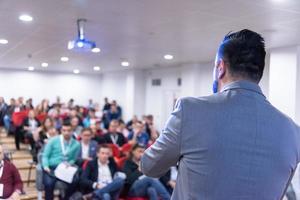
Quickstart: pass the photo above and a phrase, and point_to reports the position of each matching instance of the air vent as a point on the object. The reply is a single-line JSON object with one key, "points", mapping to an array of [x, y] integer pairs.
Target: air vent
{"points": [[156, 82]]}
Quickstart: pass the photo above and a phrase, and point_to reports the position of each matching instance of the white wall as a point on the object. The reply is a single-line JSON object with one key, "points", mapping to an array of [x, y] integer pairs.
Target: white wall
{"points": [[39, 85], [283, 70]]}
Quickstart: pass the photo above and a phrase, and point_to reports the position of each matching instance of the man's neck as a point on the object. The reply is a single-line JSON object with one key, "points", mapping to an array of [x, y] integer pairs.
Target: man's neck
{"points": [[102, 163], [67, 139]]}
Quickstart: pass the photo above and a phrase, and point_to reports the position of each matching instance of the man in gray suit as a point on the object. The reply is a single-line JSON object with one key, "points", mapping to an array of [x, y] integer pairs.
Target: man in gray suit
{"points": [[233, 145]]}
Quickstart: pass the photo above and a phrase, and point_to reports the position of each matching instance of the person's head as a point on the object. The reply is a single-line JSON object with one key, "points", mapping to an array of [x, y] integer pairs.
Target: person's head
{"points": [[137, 152], [113, 126], [73, 112], [94, 129], [2, 100], [52, 132], [103, 153], [12, 101], [149, 119], [241, 56], [66, 129], [92, 113], [105, 100], [113, 108], [1, 153], [74, 122], [138, 127], [86, 135], [20, 100], [121, 126], [48, 123], [135, 119], [31, 114]]}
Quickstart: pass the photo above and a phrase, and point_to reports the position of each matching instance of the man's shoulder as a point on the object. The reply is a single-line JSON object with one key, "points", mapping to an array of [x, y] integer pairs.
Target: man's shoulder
{"points": [[215, 98]]}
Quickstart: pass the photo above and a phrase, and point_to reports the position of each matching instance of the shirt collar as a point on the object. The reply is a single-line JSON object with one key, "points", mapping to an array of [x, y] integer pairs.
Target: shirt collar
{"points": [[102, 165], [245, 85]]}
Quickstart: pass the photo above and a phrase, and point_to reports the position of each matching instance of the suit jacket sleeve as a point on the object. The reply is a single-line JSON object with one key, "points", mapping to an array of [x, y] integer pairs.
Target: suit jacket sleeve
{"points": [[165, 152], [86, 179]]}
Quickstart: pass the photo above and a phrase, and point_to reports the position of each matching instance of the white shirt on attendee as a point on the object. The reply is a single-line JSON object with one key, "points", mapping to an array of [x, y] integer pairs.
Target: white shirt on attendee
{"points": [[104, 174], [84, 150]]}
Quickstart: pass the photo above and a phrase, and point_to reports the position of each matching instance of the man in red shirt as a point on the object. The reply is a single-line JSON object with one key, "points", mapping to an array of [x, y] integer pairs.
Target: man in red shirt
{"points": [[10, 181]]}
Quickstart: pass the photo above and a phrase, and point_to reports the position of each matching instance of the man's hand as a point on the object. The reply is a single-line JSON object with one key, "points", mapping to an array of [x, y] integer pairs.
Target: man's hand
{"points": [[172, 184], [47, 169], [100, 186]]}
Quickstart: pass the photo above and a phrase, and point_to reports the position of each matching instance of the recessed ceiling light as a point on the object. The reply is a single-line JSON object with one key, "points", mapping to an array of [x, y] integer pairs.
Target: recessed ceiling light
{"points": [[25, 18], [168, 57], [76, 71], [44, 64], [64, 59], [31, 68], [97, 68], [3, 41], [96, 50], [125, 63]]}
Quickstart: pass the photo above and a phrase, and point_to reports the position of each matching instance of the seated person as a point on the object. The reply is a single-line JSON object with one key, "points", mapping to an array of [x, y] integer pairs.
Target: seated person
{"points": [[42, 134], [9, 179], [76, 128], [91, 118], [139, 184], [169, 179], [113, 137], [97, 134], [61, 148], [100, 178], [30, 125], [88, 147], [114, 113], [138, 135]]}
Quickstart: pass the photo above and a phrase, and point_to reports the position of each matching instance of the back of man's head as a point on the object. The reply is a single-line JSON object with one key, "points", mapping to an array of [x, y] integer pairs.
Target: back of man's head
{"points": [[244, 52]]}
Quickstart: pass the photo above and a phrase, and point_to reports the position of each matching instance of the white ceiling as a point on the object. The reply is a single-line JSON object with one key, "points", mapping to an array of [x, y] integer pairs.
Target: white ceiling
{"points": [[140, 31]]}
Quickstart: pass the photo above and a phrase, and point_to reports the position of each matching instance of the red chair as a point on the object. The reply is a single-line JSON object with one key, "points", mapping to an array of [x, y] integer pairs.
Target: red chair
{"points": [[120, 161], [115, 150], [136, 198], [19, 117], [41, 117], [126, 148]]}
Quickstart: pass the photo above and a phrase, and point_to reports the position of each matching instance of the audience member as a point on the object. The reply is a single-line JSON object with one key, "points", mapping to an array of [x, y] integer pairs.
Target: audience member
{"points": [[138, 135], [139, 184], [76, 128], [61, 148], [88, 147], [90, 119], [100, 178], [113, 137], [8, 115], [10, 180]]}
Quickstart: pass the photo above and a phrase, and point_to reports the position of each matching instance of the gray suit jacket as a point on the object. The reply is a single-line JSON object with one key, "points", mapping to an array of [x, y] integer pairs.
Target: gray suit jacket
{"points": [[233, 145]]}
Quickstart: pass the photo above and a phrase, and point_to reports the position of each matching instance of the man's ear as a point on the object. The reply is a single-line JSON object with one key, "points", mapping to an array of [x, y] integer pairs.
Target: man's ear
{"points": [[222, 68]]}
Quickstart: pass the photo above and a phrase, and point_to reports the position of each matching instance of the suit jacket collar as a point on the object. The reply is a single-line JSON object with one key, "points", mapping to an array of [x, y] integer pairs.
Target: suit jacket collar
{"points": [[244, 85]]}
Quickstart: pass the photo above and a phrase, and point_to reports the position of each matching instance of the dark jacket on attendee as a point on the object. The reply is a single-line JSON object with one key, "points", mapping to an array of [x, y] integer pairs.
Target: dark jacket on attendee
{"points": [[120, 141], [26, 122], [132, 173], [90, 175], [10, 179]]}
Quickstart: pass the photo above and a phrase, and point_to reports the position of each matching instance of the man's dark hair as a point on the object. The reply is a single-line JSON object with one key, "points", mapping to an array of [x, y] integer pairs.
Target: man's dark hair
{"points": [[66, 122], [103, 146], [86, 129], [245, 53]]}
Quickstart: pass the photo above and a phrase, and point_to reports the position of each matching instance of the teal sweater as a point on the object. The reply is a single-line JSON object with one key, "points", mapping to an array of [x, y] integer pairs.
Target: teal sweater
{"points": [[53, 154]]}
